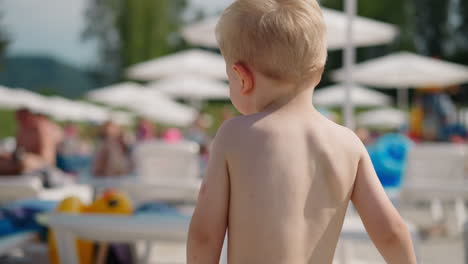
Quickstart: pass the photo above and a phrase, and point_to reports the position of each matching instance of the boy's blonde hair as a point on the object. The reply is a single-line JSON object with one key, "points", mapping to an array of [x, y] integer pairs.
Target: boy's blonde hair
{"points": [[283, 39]]}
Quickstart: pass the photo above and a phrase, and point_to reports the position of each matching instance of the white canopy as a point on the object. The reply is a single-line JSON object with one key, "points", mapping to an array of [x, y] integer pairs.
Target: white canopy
{"points": [[147, 102], [383, 118], [192, 87], [20, 98], [66, 110], [367, 32], [118, 95], [91, 112], [194, 61], [166, 111], [406, 70], [121, 117], [59, 108], [334, 96]]}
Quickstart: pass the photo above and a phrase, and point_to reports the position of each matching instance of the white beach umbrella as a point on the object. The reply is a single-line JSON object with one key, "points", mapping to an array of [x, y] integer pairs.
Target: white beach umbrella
{"points": [[202, 33], [121, 117], [93, 113], [84, 111], [59, 108], [116, 95], [194, 61], [63, 109], [367, 32], [20, 98], [191, 87], [6, 95], [150, 103], [383, 118], [166, 112], [335, 96], [405, 70]]}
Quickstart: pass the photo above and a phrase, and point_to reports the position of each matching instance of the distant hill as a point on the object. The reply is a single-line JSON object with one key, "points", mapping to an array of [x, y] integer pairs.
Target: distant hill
{"points": [[45, 75]]}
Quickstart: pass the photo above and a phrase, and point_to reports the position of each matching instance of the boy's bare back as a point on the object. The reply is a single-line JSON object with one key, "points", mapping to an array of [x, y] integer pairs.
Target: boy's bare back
{"points": [[291, 179], [280, 182]]}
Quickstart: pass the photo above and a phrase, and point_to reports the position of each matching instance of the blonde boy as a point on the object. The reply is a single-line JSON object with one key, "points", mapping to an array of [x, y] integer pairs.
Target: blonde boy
{"points": [[281, 177]]}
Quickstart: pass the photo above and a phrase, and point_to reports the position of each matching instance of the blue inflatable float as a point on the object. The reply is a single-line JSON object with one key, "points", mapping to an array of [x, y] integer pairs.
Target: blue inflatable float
{"points": [[389, 158]]}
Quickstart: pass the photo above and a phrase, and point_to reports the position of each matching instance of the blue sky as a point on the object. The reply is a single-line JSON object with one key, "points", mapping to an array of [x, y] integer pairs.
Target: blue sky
{"points": [[53, 27]]}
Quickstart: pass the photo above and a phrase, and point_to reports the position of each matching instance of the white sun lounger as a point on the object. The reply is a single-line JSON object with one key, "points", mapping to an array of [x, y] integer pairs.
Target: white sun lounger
{"points": [[167, 172], [157, 159], [164, 190], [102, 228], [12, 242], [30, 187], [436, 173], [465, 238], [354, 230]]}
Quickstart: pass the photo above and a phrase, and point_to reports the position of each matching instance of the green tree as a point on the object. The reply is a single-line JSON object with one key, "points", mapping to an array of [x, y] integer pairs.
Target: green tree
{"points": [[430, 26], [3, 39], [132, 31], [458, 21]]}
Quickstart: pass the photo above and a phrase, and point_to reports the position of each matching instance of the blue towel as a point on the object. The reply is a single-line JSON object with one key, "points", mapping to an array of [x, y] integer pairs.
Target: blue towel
{"points": [[21, 216], [6, 227], [159, 209]]}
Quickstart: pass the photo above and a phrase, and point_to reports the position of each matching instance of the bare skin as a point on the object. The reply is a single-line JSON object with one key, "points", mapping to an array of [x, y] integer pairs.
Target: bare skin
{"points": [[37, 137], [280, 180]]}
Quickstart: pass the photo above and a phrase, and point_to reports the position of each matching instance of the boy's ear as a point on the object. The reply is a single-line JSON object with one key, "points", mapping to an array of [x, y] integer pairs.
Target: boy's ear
{"points": [[246, 77]]}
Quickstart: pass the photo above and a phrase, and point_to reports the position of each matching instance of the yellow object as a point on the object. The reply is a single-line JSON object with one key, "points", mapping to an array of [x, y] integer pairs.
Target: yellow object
{"points": [[416, 121], [71, 205], [112, 202], [431, 89]]}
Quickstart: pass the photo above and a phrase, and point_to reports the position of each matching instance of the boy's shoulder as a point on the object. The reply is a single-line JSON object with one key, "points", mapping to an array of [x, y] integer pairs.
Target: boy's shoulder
{"points": [[246, 124], [236, 125], [236, 130]]}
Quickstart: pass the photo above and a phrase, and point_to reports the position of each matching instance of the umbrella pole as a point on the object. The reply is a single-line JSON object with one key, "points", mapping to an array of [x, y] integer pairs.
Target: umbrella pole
{"points": [[349, 58], [403, 98]]}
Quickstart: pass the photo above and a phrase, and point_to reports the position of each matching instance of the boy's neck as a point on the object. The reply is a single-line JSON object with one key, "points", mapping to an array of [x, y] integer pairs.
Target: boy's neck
{"points": [[287, 97]]}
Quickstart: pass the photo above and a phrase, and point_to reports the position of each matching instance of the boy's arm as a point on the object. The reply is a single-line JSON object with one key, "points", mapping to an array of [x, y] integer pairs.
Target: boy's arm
{"points": [[210, 219], [385, 226]]}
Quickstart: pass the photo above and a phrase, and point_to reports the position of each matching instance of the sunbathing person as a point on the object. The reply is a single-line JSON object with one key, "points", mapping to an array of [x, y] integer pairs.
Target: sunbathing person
{"points": [[281, 177], [113, 154], [36, 143]]}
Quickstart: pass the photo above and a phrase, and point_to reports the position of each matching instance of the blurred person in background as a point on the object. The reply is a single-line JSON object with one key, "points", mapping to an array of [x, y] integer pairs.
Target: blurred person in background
{"points": [[37, 138], [72, 156], [113, 153], [364, 135], [145, 130], [172, 135], [228, 113], [198, 132], [71, 140]]}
